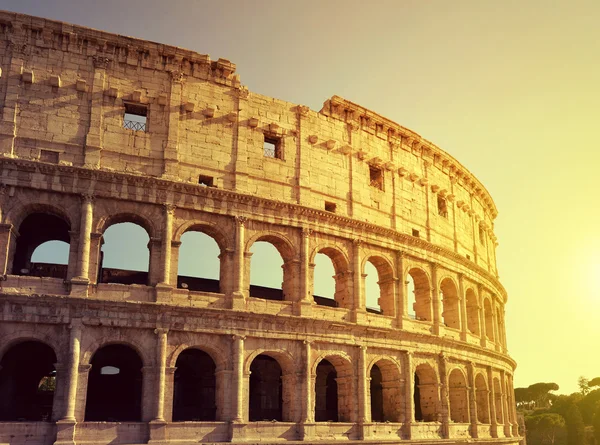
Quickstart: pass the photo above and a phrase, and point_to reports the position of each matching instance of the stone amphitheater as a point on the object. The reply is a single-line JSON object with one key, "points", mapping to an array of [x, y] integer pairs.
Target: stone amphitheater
{"points": [[99, 129]]}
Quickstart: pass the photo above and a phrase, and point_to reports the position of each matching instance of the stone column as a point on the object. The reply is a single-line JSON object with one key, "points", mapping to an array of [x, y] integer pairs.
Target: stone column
{"points": [[238, 299], [444, 396], [505, 414], [364, 406], [400, 290], [305, 298], [435, 299], [161, 359], [6, 235], [492, 402], [81, 281], [472, 399], [358, 304], [482, 326], [170, 153], [238, 378], [409, 390], [308, 387], [166, 247], [463, 307], [74, 351]]}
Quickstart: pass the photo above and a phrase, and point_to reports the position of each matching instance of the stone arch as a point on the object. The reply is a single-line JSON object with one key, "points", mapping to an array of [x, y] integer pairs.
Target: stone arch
{"points": [[290, 266], [145, 223], [219, 357], [342, 277], [386, 390], [385, 280], [458, 396], [423, 309], [37, 224], [472, 304], [488, 317], [27, 381], [334, 388], [88, 352], [482, 399], [114, 390], [498, 400], [426, 393], [195, 386], [451, 302], [223, 240], [197, 281], [17, 337]]}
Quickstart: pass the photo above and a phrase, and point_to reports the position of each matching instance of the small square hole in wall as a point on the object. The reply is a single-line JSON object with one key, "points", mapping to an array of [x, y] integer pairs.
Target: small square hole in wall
{"points": [[207, 181], [330, 206], [135, 117], [442, 206], [415, 232], [272, 147], [49, 156], [375, 177], [468, 256]]}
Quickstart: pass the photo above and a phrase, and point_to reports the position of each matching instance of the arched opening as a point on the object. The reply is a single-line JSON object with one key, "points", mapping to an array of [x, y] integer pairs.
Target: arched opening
{"points": [[332, 279], [451, 312], [324, 281], [459, 400], [114, 392], [36, 230], [489, 319], [27, 382], [419, 281], [472, 312], [266, 390], [125, 255], [376, 387], [386, 392], [498, 401], [426, 394], [326, 393], [199, 263], [481, 398], [194, 391], [379, 286], [268, 271]]}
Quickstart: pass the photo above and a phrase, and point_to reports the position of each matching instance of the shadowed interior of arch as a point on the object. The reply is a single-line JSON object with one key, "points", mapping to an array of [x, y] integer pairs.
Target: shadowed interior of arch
{"points": [[266, 391], [27, 382], [194, 392], [266, 272], [198, 263], [125, 254], [40, 248], [326, 393]]}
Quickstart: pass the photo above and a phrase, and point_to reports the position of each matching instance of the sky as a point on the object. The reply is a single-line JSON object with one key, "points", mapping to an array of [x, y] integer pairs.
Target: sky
{"points": [[510, 89]]}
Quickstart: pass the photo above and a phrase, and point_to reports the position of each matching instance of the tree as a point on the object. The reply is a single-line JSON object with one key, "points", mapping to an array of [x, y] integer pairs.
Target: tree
{"points": [[587, 405], [539, 393], [575, 426], [594, 382], [544, 427], [584, 385], [596, 424]]}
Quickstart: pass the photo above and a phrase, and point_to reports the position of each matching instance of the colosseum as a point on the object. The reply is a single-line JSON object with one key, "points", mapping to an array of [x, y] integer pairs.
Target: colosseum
{"points": [[98, 130]]}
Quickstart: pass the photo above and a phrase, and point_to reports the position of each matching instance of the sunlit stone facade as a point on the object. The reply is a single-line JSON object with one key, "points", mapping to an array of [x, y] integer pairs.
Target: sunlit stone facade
{"points": [[98, 129]]}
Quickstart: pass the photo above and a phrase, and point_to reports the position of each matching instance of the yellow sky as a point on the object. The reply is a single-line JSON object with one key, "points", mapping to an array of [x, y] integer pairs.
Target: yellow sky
{"points": [[511, 89]]}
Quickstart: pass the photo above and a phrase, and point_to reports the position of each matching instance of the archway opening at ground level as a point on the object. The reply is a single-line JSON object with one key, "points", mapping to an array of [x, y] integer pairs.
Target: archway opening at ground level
{"points": [[27, 382], [266, 392], [326, 393], [194, 387], [114, 385]]}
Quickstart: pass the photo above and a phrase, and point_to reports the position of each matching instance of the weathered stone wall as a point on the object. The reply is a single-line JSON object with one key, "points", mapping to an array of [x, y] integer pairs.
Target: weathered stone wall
{"points": [[343, 181]]}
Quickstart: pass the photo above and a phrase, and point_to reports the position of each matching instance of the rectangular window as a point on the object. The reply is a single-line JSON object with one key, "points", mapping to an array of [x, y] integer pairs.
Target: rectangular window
{"points": [[375, 177], [272, 147], [207, 181], [442, 206], [330, 207], [135, 117], [415, 233], [49, 156]]}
